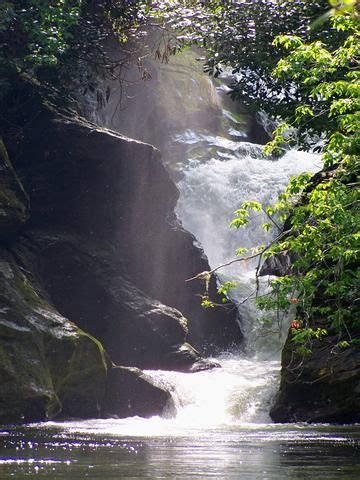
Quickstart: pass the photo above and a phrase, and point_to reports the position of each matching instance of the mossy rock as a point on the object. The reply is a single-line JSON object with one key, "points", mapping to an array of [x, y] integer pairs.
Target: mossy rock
{"points": [[48, 365], [323, 386], [13, 199]]}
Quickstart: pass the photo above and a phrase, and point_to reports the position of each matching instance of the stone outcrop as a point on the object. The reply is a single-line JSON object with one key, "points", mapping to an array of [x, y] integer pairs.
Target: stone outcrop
{"points": [[98, 255], [131, 392], [48, 365], [84, 280], [323, 386], [115, 191]]}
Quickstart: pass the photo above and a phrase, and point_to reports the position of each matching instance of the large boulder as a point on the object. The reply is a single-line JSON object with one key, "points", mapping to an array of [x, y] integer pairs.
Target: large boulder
{"points": [[323, 386], [87, 284], [48, 366], [131, 392], [115, 190]]}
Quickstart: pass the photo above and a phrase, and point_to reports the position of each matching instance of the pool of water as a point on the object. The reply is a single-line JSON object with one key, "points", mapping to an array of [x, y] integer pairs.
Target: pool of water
{"points": [[125, 449]]}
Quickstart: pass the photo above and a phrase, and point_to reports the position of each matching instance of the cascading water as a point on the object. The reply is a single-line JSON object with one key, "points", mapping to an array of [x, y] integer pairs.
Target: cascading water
{"points": [[218, 170], [239, 392], [210, 191]]}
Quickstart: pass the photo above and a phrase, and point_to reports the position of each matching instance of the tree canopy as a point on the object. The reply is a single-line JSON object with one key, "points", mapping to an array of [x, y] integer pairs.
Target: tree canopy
{"points": [[321, 211]]}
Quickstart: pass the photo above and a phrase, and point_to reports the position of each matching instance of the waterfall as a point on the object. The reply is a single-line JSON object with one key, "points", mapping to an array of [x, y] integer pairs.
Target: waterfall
{"points": [[211, 189], [219, 171], [205, 141]]}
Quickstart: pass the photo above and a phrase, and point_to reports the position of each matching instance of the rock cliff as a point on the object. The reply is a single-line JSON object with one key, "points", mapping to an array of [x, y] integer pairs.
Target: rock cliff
{"points": [[99, 250], [323, 386]]}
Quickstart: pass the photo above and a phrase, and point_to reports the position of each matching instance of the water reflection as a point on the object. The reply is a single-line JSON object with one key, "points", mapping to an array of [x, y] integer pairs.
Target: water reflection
{"points": [[275, 452]]}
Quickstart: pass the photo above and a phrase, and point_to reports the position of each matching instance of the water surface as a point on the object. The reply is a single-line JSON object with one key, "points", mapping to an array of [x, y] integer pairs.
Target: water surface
{"points": [[254, 451]]}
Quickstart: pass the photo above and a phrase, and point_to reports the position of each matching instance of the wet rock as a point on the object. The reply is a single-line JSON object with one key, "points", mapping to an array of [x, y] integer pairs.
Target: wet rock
{"points": [[321, 387], [86, 284], [130, 392], [48, 365], [279, 265], [13, 199], [205, 364], [100, 185]]}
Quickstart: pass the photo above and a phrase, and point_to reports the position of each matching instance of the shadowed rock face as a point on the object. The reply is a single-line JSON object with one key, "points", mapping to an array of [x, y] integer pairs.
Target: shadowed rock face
{"points": [[85, 282], [115, 191], [102, 252], [47, 364], [321, 387], [13, 199]]}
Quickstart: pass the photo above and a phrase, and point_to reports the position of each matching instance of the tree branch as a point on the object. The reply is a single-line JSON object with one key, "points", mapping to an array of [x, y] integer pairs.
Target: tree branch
{"points": [[204, 275]]}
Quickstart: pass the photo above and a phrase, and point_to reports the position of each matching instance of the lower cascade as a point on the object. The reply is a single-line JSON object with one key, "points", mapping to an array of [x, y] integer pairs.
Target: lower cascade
{"points": [[240, 392]]}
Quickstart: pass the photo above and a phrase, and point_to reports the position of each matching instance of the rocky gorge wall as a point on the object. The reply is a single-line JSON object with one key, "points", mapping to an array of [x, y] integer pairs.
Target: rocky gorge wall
{"points": [[322, 386], [92, 252], [179, 100]]}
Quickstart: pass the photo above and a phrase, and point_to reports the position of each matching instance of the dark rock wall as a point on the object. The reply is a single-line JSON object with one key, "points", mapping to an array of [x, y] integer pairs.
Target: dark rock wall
{"points": [[105, 187], [321, 387], [99, 250]]}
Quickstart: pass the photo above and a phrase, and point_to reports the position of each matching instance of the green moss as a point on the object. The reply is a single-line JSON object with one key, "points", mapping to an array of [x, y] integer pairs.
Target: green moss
{"points": [[78, 369], [47, 364], [13, 199]]}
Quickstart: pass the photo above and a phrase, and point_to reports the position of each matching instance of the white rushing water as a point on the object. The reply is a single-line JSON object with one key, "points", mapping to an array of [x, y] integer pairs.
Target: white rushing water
{"points": [[240, 392], [237, 394], [212, 188]]}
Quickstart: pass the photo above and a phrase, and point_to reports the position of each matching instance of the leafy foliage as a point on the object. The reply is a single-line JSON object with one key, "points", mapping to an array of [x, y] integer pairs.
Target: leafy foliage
{"points": [[238, 35], [36, 32], [59, 41], [322, 230]]}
